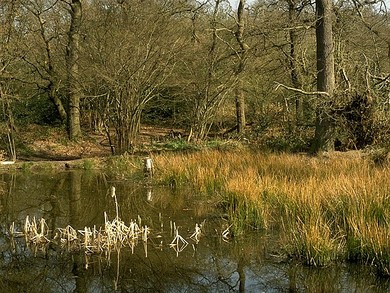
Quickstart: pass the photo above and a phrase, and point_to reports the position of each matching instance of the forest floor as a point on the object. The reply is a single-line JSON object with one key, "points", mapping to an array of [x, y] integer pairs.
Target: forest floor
{"points": [[48, 146], [43, 144]]}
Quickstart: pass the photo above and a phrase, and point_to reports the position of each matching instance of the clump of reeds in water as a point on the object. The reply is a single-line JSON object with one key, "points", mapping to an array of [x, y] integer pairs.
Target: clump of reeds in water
{"points": [[36, 233], [328, 208], [113, 236]]}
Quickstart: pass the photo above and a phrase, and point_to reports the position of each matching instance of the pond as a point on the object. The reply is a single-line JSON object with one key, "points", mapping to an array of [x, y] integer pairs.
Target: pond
{"points": [[211, 261]]}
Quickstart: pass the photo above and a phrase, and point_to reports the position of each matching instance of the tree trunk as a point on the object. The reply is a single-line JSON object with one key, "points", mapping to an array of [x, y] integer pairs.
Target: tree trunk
{"points": [[323, 138], [240, 98], [50, 87], [127, 125], [57, 102], [75, 217], [294, 67], [10, 127], [74, 129], [202, 122], [240, 108]]}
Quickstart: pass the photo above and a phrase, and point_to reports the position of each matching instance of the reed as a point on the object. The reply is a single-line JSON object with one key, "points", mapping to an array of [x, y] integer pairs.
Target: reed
{"points": [[327, 208], [36, 232], [313, 241], [178, 243], [114, 236], [197, 233]]}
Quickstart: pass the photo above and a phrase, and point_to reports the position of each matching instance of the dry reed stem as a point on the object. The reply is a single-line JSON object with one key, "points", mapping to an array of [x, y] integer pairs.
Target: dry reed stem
{"points": [[178, 243], [115, 235], [197, 233]]}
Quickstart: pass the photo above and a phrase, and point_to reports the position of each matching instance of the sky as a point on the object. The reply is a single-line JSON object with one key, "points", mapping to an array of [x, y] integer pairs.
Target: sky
{"points": [[234, 3]]}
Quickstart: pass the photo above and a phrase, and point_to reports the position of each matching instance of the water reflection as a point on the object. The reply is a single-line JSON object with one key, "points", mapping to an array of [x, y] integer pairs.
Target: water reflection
{"points": [[207, 264]]}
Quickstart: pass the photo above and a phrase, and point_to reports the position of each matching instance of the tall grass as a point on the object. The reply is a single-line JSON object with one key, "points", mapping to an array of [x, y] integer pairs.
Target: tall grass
{"points": [[326, 208]]}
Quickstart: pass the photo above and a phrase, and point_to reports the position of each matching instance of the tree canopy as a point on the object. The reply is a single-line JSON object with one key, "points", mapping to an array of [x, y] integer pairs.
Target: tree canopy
{"points": [[259, 70]]}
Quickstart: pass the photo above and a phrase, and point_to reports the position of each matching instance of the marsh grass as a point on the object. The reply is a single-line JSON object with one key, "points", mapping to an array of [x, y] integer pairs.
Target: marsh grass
{"points": [[369, 242], [125, 167], [327, 208], [313, 241], [88, 164]]}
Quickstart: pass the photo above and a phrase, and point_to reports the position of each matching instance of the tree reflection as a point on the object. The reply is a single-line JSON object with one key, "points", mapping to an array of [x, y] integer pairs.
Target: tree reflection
{"points": [[75, 216], [247, 263]]}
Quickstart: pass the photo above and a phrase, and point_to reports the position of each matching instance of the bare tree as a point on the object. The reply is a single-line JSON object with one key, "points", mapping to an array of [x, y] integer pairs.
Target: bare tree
{"points": [[295, 68], [130, 64], [210, 76], [8, 14], [44, 33]]}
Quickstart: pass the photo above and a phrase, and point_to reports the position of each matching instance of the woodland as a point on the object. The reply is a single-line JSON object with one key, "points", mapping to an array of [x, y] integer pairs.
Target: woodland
{"points": [[290, 75]]}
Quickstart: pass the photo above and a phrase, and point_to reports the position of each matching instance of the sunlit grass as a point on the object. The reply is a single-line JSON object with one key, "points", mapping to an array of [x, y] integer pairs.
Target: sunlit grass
{"points": [[328, 208]]}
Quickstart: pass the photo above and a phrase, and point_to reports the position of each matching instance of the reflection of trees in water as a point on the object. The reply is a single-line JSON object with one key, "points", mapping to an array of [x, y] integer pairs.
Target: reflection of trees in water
{"points": [[162, 271], [75, 218], [57, 198], [215, 266], [209, 267], [78, 198], [21, 271], [7, 183]]}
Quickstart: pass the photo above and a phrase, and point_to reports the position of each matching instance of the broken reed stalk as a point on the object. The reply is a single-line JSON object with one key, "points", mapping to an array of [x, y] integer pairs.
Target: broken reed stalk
{"points": [[36, 233], [226, 233], [113, 194], [115, 234], [178, 243], [196, 233]]}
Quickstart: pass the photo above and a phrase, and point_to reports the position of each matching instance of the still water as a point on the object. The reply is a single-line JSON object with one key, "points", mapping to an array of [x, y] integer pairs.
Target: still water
{"points": [[212, 263]]}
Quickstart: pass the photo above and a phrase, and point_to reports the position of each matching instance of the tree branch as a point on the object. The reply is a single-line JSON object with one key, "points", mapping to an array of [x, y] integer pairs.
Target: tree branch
{"points": [[300, 90]]}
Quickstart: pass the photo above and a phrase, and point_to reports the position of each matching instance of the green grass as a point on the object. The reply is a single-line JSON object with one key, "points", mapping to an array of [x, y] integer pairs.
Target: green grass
{"points": [[125, 167], [88, 164]]}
